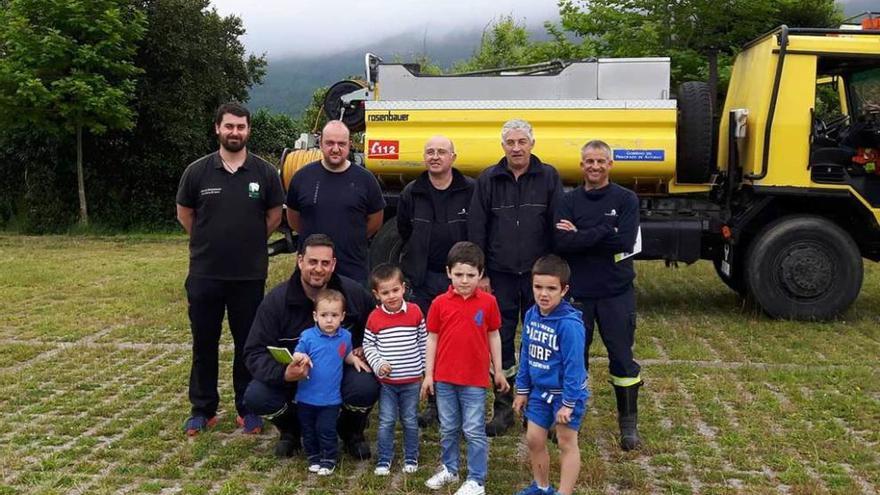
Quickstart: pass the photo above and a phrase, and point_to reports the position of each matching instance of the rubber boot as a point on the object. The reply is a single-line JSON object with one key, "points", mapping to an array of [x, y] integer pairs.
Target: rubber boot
{"points": [[429, 416], [502, 414], [351, 425], [628, 415], [290, 436]]}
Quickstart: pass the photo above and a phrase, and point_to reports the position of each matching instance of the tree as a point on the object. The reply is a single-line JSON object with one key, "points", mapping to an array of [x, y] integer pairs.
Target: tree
{"points": [[67, 66], [193, 60], [271, 133]]}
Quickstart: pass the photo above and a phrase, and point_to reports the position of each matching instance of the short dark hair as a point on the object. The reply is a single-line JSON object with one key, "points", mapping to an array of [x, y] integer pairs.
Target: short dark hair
{"points": [[318, 240], [553, 266], [331, 295], [235, 109], [467, 253], [383, 272]]}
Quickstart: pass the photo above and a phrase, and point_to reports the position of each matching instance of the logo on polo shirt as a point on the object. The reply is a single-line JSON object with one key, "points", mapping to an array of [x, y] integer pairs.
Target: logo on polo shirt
{"points": [[254, 190], [478, 318], [341, 350]]}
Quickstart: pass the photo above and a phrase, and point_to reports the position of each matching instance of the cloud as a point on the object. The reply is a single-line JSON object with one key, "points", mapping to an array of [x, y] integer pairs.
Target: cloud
{"points": [[308, 27]]}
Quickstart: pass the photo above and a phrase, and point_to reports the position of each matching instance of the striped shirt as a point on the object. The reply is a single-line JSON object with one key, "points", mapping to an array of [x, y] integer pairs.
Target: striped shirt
{"points": [[397, 339]]}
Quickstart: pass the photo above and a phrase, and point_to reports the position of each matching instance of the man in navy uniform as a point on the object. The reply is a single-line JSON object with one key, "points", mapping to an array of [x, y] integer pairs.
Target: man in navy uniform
{"points": [[597, 225]]}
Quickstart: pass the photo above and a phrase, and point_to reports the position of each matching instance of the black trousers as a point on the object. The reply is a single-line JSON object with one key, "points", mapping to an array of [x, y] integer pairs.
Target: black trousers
{"points": [[616, 319], [434, 284], [359, 390], [209, 300], [514, 295]]}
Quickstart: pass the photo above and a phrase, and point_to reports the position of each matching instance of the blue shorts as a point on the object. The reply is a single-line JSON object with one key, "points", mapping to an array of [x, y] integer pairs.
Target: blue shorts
{"points": [[543, 414]]}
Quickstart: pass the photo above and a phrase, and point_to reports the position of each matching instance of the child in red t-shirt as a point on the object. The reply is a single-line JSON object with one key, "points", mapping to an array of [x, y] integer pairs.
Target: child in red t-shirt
{"points": [[462, 337]]}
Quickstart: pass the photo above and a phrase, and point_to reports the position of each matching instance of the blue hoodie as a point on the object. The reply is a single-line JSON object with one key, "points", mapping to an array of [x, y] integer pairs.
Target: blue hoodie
{"points": [[551, 359]]}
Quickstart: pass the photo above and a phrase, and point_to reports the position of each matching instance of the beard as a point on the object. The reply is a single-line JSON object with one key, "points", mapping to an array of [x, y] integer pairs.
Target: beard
{"points": [[233, 145]]}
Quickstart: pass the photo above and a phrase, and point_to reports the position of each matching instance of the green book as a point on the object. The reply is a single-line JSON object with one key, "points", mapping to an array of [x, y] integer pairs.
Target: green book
{"points": [[281, 354]]}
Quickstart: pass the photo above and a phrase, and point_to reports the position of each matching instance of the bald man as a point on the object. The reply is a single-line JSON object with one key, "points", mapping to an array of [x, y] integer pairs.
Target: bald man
{"points": [[332, 197], [431, 217]]}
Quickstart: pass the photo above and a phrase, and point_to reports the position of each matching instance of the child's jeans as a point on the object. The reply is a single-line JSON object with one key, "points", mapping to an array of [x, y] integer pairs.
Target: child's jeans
{"points": [[318, 424], [399, 401], [462, 409]]}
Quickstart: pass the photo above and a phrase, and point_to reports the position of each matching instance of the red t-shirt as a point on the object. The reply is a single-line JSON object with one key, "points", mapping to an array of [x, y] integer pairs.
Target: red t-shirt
{"points": [[463, 326]]}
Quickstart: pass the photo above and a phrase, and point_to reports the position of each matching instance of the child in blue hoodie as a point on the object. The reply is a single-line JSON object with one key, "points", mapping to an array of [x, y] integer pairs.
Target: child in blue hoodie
{"points": [[551, 385]]}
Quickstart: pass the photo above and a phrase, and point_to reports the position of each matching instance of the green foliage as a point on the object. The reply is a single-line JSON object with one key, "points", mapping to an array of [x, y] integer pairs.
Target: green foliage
{"points": [[271, 133], [189, 61], [68, 63]]}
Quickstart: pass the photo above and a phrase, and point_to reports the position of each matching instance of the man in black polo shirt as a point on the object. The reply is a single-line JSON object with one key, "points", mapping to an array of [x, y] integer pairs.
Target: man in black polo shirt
{"points": [[228, 202], [511, 218], [283, 315], [331, 196]]}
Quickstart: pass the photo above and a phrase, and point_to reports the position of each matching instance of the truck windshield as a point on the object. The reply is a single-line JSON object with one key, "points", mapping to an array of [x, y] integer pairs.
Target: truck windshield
{"points": [[865, 92]]}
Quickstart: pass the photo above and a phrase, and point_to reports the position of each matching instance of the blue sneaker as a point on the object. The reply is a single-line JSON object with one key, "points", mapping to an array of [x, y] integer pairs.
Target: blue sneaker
{"points": [[250, 424], [197, 424], [534, 490]]}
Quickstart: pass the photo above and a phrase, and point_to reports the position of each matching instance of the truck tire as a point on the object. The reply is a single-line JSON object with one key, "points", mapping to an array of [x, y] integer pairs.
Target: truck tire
{"points": [[804, 268], [695, 138], [387, 245]]}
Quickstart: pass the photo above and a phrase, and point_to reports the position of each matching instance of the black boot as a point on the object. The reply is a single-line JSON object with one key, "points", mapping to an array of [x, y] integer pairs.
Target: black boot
{"points": [[502, 414], [429, 416], [351, 425], [628, 415], [290, 436]]}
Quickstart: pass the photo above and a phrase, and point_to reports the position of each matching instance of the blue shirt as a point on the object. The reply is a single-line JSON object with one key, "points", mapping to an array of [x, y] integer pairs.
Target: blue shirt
{"points": [[327, 352]]}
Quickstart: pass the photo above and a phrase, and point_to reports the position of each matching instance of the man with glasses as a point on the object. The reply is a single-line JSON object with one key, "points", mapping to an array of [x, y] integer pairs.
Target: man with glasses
{"points": [[431, 217], [330, 196]]}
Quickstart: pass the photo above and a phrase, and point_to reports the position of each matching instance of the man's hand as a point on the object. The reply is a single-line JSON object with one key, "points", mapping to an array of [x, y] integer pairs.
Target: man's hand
{"points": [[298, 368], [385, 369], [566, 225], [501, 384], [519, 403], [427, 388], [563, 416], [360, 365], [485, 284], [358, 352]]}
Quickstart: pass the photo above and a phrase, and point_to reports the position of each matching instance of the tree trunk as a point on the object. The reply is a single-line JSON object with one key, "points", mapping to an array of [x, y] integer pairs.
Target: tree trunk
{"points": [[80, 180], [713, 79]]}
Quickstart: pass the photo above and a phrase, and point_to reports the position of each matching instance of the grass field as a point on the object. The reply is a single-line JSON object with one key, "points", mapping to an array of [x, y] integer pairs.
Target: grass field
{"points": [[94, 359]]}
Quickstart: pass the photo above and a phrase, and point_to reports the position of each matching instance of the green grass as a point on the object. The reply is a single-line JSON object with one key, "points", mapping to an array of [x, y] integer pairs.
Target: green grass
{"points": [[95, 357]]}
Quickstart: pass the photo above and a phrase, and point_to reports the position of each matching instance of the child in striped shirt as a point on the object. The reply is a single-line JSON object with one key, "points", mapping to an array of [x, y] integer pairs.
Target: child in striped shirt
{"points": [[394, 345]]}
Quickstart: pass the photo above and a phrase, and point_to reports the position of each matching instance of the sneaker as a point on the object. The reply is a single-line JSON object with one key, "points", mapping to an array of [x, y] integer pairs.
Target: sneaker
{"points": [[382, 470], [534, 490], [471, 487], [250, 424], [440, 478], [410, 468], [197, 424], [326, 471], [314, 468]]}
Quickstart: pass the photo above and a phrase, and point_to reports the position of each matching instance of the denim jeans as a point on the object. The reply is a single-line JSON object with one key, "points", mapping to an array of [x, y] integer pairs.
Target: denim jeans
{"points": [[462, 409], [318, 425], [398, 401]]}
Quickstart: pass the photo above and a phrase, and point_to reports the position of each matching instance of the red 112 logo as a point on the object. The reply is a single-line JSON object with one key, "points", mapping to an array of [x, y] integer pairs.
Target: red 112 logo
{"points": [[387, 150]]}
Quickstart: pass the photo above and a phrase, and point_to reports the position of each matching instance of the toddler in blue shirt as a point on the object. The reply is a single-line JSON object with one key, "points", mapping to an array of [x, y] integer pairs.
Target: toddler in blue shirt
{"points": [[323, 349]]}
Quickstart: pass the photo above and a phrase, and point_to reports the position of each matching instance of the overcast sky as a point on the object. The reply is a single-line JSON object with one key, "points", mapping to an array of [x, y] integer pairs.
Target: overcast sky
{"points": [[284, 27]]}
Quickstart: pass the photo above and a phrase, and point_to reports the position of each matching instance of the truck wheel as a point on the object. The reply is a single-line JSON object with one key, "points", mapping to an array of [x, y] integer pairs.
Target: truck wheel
{"points": [[804, 268], [387, 245], [694, 162], [737, 282]]}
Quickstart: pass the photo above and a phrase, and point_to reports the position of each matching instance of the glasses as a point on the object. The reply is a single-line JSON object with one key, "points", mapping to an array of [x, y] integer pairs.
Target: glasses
{"points": [[440, 152]]}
